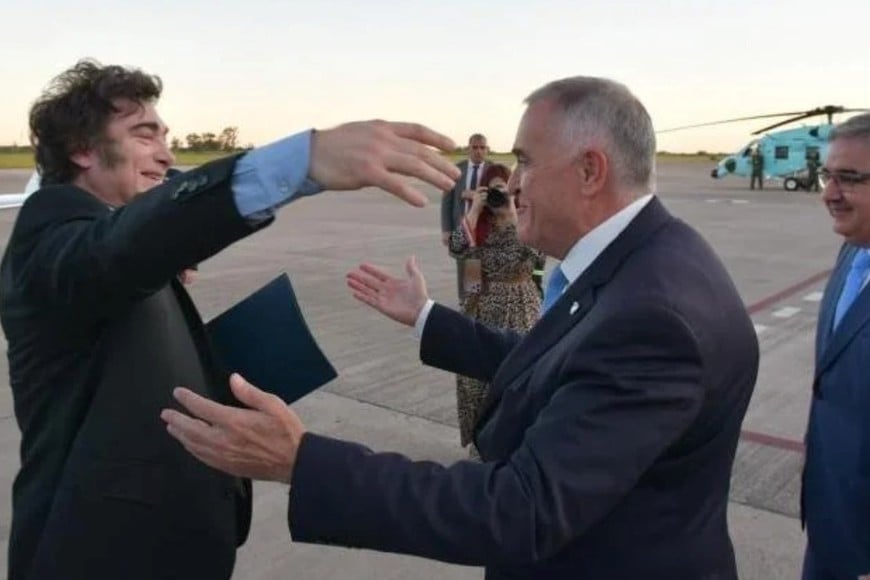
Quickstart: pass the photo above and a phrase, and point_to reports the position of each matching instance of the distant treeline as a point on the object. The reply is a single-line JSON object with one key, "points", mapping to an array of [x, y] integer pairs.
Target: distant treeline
{"points": [[226, 140], [700, 153]]}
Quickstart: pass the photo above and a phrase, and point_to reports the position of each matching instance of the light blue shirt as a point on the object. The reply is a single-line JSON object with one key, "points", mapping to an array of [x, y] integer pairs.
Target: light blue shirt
{"points": [[268, 177], [867, 277]]}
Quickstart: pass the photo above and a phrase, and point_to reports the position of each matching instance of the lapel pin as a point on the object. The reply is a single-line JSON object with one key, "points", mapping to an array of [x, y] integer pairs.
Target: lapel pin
{"points": [[574, 308]]}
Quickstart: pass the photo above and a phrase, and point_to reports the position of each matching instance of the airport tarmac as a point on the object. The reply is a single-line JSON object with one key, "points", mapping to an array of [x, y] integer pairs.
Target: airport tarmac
{"points": [[777, 245]]}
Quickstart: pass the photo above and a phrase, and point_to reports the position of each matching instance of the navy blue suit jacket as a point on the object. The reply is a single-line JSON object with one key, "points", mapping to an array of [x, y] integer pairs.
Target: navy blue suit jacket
{"points": [[836, 490], [608, 435]]}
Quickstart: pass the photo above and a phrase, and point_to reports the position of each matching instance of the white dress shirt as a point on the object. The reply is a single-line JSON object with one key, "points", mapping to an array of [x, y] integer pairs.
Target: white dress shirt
{"points": [[590, 246], [480, 167]]}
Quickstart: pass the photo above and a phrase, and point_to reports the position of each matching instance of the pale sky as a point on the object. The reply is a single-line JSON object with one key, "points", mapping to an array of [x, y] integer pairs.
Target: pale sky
{"points": [[274, 67]]}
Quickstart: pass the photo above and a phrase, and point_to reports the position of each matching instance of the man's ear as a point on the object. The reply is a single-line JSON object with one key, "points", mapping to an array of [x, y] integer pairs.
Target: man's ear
{"points": [[85, 158], [592, 167]]}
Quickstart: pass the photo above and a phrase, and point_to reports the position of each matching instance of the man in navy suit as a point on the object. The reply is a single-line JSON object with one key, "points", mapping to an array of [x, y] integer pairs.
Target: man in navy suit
{"points": [[836, 484], [455, 202], [610, 429]]}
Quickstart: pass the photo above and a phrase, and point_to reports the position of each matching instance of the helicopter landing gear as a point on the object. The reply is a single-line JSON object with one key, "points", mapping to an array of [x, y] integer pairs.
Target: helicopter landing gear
{"points": [[792, 184], [798, 183]]}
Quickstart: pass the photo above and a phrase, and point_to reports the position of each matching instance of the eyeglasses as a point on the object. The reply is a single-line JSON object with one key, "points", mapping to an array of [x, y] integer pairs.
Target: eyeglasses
{"points": [[842, 178]]}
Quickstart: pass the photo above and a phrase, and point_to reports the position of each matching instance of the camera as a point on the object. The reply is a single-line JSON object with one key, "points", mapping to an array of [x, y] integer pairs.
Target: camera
{"points": [[496, 198]]}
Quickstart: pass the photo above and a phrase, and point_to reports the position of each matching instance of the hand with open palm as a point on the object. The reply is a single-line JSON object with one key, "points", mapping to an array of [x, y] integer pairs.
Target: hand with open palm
{"points": [[401, 299]]}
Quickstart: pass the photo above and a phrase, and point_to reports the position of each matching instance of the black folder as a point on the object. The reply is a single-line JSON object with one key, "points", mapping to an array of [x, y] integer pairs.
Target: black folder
{"points": [[265, 339]]}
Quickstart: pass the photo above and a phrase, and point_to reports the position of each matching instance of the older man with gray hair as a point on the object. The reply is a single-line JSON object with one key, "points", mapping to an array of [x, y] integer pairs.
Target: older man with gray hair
{"points": [[609, 432], [836, 484]]}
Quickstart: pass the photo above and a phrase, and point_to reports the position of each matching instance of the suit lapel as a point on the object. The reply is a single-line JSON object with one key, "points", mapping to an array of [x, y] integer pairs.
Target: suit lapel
{"points": [[853, 321], [463, 179], [458, 202], [219, 389], [829, 302], [577, 300], [216, 374]]}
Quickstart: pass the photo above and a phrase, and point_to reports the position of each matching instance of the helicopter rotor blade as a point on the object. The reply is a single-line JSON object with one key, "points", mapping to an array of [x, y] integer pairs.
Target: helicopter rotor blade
{"points": [[786, 122], [829, 110], [753, 117]]}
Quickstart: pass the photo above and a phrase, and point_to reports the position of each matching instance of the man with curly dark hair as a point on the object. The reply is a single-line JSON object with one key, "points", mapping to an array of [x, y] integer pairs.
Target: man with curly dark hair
{"points": [[100, 330]]}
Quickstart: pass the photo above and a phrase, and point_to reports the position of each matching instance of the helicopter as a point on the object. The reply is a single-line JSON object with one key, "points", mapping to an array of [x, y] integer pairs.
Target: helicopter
{"points": [[785, 152]]}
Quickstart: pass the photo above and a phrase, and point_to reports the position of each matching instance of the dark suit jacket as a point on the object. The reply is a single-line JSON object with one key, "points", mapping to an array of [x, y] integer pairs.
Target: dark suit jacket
{"points": [[836, 490], [99, 334], [452, 204], [609, 431]]}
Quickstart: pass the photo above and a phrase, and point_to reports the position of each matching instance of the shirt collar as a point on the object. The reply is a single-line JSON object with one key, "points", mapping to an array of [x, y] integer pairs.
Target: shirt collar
{"points": [[589, 247]]}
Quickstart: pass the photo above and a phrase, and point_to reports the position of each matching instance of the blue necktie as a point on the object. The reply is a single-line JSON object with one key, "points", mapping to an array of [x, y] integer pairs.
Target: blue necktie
{"points": [[854, 282], [473, 183], [555, 285]]}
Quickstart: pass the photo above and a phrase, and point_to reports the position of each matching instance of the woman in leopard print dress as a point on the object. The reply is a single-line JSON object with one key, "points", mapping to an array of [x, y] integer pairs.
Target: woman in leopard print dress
{"points": [[507, 297]]}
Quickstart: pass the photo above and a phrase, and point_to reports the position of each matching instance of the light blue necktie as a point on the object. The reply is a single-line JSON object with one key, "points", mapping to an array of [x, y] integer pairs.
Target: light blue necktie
{"points": [[555, 285], [854, 282]]}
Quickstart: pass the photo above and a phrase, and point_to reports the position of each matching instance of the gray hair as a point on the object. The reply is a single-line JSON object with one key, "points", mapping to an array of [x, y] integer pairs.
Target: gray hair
{"points": [[605, 112], [857, 127]]}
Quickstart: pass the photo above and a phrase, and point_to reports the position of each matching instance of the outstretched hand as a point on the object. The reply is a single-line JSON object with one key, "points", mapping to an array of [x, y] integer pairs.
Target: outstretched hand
{"points": [[377, 153], [399, 299], [260, 441]]}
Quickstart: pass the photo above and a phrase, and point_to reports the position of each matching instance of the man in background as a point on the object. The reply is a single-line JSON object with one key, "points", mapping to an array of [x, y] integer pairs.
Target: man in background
{"points": [[757, 163], [835, 499], [456, 201], [813, 163]]}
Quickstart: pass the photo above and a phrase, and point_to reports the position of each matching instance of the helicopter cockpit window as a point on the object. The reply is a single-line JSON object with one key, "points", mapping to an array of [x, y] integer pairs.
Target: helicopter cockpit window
{"points": [[746, 152], [781, 152]]}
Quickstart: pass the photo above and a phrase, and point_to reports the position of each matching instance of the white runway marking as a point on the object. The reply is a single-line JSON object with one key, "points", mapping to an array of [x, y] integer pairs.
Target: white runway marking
{"points": [[786, 312], [813, 297], [759, 328], [712, 200]]}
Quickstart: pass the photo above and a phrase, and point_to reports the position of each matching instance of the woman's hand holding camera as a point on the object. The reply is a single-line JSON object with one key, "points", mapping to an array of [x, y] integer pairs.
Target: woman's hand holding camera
{"points": [[478, 202]]}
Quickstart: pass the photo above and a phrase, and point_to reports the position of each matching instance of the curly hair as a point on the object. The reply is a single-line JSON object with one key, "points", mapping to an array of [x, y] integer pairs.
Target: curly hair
{"points": [[73, 113]]}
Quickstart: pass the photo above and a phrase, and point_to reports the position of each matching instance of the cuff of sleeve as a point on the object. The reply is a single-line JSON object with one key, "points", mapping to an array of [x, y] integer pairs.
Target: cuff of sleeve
{"points": [[314, 514], [268, 177], [422, 318]]}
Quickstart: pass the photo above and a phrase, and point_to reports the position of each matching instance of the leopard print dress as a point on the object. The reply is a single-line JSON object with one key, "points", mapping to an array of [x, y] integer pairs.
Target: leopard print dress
{"points": [[508, 299]]}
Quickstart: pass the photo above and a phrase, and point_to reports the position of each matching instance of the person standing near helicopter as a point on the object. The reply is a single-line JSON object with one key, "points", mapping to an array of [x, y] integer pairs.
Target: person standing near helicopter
{"points": [[813, 163], [757, 169]]}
